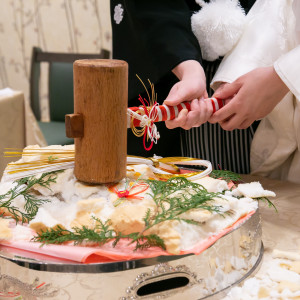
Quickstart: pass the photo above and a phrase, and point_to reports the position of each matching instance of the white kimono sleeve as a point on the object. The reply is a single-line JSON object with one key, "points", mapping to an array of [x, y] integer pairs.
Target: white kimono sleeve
{"points": [[271, 38], [263, 41], [288, 69]]}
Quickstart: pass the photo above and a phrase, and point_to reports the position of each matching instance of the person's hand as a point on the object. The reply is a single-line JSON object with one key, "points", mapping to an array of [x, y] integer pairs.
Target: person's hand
{"points": [[221, 87], [200, 112], [191, 87], [252, 97]]}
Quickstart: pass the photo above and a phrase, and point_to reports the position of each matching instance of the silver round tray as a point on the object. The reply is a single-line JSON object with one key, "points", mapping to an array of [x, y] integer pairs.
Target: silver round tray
{"points": [[206, 276]]}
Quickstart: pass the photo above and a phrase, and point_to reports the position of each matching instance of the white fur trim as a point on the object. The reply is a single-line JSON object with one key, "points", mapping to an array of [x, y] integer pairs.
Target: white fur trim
{"points": [[218, 26]]}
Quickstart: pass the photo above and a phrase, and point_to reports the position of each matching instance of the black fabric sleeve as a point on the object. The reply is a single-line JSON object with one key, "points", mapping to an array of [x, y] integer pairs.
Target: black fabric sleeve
{"points": [[164, 27]]}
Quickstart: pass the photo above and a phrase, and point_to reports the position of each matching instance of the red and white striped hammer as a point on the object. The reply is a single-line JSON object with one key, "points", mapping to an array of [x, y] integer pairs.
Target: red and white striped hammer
{"points": [[164, 112]]}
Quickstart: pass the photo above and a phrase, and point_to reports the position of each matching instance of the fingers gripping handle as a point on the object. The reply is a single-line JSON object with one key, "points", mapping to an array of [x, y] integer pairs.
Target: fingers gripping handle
{"points": [[217, 104]]}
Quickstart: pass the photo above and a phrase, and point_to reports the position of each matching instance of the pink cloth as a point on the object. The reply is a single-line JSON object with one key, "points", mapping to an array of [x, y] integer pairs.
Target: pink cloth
{"points": [[108, 253]]}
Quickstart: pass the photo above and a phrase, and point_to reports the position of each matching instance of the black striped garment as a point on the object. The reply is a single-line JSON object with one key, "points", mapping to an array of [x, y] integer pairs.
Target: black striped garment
{"points": [[227, 150]]}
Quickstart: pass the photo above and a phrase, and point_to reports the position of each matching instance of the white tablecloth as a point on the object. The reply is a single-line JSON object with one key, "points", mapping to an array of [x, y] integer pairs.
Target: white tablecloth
{"points": [[18, 126]]}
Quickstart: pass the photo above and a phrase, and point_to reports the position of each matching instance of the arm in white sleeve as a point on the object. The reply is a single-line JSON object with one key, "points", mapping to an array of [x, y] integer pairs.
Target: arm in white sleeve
{"points": [[261, 44], [288, 69]]}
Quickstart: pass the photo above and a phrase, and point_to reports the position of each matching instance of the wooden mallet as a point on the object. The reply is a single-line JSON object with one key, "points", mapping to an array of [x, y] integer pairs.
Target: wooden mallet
{"points": [[99, 122]]}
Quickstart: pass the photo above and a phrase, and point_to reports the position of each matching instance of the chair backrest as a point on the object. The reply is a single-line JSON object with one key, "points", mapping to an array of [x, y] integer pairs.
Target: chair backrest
{"points": [[60, 81]]}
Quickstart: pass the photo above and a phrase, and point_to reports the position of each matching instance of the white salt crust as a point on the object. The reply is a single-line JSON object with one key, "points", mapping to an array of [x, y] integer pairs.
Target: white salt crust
{"points": [[71, 199]]}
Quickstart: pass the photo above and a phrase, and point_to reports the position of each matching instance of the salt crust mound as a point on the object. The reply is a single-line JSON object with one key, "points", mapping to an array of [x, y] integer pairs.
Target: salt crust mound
{"points": [[74, 204]]}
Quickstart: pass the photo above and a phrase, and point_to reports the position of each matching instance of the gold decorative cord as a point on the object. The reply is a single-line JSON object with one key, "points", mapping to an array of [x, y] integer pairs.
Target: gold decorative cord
{"points": [[39, 160], [146, 115]]}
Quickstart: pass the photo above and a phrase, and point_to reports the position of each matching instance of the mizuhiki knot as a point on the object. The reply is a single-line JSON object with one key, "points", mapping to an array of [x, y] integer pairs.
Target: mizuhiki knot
{"points": [[123, 194], [146, 121]]}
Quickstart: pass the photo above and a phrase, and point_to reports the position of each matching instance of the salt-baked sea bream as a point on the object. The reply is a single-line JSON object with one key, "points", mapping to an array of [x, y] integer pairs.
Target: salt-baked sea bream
{"points": [[143, 211]]}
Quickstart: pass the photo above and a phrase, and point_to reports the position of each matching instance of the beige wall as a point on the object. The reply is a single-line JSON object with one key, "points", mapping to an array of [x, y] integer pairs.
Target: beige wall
{"points": [[81, 26]]}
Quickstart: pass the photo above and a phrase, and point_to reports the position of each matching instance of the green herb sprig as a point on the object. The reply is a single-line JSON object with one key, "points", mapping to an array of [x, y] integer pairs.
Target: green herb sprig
{"points": [[24, 188], [100, 235], [175, 197], [225, 175], [268, 201]]}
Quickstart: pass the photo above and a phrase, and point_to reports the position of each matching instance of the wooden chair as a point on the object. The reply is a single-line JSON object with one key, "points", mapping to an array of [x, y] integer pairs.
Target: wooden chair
{"points": [[60, 90]]}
